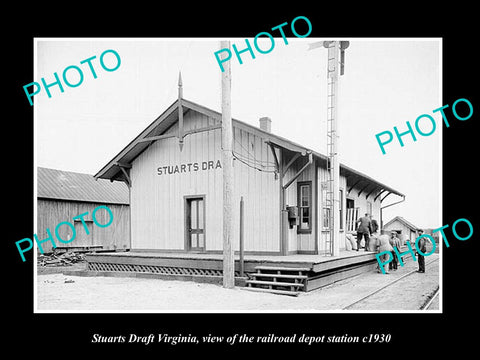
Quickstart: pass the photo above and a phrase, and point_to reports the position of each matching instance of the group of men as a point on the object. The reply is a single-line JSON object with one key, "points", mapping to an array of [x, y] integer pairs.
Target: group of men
{"points": [[366, 227]]}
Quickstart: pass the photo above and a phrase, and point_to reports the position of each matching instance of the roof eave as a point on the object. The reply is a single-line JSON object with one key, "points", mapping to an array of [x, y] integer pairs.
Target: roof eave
{"points": [[277, 140]]}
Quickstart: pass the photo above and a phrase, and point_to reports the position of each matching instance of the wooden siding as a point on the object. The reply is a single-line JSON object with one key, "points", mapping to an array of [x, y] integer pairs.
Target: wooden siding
{"points": [[113, 237], [157, 201], [157, 205], [300, 242], [260, 191], [323, 232], [192, 120], [406, 231]]}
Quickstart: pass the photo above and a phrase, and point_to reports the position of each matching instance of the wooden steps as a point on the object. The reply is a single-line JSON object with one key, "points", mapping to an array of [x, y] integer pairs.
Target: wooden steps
{"points": [[281, 268], [284, 276], [278, 280], [272, 291], [276, 283]]}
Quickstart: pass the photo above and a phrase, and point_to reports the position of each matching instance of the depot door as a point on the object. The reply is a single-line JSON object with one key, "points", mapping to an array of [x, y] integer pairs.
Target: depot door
{"points": [[195, 223]]}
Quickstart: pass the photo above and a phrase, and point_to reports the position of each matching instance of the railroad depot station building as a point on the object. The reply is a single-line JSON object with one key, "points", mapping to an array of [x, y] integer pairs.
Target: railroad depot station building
{"points": [[176, 197]]}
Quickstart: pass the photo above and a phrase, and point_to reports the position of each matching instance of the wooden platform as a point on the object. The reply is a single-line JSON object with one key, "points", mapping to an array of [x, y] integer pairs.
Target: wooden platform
{"points": [[318, 270]]}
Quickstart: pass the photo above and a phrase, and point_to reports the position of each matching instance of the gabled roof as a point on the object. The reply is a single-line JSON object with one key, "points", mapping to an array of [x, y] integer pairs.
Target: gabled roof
{"points": [[115, 169], [66, 185], [403, 221]]}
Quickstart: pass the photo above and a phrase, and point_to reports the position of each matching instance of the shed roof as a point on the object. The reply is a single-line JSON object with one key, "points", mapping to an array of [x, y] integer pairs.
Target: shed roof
{"points": [[115, 169], [73, 186], [403, 221]]}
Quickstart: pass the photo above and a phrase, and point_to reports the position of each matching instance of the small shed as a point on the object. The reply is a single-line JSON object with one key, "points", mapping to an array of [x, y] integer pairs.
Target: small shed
{"points": [[62, 195], [405, 229]]}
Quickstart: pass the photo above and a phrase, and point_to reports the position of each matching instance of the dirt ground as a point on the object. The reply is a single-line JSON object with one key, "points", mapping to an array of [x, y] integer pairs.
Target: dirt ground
{"points": [[66, 293], [411, 292]]}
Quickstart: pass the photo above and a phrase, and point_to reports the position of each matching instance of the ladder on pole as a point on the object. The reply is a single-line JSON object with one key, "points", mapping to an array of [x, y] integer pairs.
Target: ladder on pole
{"points": [[335, 68], [332, 75]]}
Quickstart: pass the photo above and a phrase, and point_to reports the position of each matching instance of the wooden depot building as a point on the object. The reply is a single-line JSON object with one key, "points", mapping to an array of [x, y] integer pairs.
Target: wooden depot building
{"points": [[173, 170]]}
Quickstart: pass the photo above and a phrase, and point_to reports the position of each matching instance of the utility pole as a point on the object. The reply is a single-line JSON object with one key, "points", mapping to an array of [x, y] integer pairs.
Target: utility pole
{"points": [[227, 162]]}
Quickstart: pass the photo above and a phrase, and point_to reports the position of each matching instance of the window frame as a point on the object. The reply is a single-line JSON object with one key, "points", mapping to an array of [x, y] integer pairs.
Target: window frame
{"points": [[325, 208], [340, 208], [310, 207]]}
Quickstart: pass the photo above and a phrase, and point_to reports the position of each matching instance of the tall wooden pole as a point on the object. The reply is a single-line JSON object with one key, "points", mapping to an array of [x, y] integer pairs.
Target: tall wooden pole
{"points": [[227, 162], [337, 52], [335, 68], [334, 53]]}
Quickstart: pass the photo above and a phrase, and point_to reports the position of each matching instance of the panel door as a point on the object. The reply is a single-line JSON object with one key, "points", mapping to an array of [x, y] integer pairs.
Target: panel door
{"points": [[195, 224]]}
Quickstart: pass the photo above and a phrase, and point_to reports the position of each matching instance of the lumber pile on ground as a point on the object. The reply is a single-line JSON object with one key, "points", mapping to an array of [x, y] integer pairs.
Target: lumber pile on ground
{"points": [[60, 259]]}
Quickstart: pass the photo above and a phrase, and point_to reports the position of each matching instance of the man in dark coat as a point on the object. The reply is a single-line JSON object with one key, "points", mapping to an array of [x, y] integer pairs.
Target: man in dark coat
{"points": [[422, 246], [364, 228], [374, 224], [395, 243]]}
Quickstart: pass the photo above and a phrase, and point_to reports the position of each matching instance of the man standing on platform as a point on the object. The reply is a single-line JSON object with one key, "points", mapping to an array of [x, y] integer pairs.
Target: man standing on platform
{"points": [[374, 224], [364, 228]]}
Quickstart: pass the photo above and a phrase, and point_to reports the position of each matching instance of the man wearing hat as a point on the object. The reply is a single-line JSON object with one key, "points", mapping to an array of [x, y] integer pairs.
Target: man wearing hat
{"points": [[422, 246], [364, 228], [374, 224], [394, 242]]}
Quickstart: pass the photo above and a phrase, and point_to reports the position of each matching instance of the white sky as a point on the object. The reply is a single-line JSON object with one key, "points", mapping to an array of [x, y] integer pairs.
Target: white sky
{"points": [[386, 83]]}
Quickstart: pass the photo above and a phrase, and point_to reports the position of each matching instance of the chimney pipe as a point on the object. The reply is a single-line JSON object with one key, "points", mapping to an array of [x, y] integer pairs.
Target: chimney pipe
{"points": [[266, 124]]}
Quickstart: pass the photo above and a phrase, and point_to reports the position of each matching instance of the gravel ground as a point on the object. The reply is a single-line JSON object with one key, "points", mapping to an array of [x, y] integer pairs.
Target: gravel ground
{"points": [[435, 304], [67, 293], [416, 290]]}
